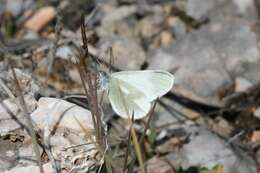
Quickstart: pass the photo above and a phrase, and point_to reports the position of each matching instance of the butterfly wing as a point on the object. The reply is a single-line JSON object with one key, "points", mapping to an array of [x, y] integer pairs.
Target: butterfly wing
{"points": [[153, 83], [132, 91], [127, 100]]}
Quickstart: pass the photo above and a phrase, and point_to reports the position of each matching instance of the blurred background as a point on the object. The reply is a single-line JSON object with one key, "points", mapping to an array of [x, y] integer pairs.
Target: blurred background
{"points": [[210, 121]]}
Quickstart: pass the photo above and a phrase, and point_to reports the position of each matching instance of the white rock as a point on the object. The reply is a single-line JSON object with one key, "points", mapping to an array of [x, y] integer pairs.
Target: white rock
{"points": [[68, 129], [257, 113], [242, 84], [26, 153], [51, 111], [10, 114], [32, 168]]}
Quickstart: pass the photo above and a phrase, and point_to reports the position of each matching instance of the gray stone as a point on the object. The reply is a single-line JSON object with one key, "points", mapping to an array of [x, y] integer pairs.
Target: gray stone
{"points": [[8, 114], [30, 35], [128, 54], [243, 5], [2, 10], [247, 9], [207, 150], [64, 52], [114, 21], [171, 113], [15, 7], [127, 1], [198, 9], [179, 29], [207, 59], [26, 154], [217, 9], [118, 14], [236, 46], [8, 158], [199, 75], [150, 25]]}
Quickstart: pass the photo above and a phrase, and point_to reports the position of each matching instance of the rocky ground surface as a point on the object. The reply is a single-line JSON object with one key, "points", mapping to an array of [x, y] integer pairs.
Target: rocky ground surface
{"points": [[210, 121]]}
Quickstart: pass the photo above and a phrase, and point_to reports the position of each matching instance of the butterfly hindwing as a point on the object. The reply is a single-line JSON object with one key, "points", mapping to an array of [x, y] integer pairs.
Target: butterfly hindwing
{"points": [[127, 100]]}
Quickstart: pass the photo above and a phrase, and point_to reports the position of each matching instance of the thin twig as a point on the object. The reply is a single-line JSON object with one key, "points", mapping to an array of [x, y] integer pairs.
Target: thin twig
{"points": [[92, 14], [25, 112], [150, 115], [138, 150], [86, 74], [92, 95], [51, 157], [6, 89], [170, 164], [46, 147], [235, 137], [141, 140], [128, 145], [52, 54]]}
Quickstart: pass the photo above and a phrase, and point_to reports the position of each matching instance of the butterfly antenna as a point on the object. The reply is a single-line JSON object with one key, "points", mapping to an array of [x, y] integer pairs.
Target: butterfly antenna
{"points": [[96, 62], [111, 59]]}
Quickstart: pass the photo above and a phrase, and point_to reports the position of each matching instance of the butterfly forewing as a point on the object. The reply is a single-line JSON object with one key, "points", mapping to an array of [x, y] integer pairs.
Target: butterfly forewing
{"points": [[153, 83]]}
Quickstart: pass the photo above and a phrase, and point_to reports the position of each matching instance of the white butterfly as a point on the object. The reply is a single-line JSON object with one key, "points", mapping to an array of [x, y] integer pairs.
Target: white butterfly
{"points": [[131, 92]]}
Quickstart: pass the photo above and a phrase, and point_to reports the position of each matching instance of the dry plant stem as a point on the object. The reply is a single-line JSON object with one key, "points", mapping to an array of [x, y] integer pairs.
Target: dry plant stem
{"points": [[256, 162], [92, 14], [51, 157], [138, 150], [28, 119], [91, 92], [236, 136], [52, 54], [128, 144], [47, 148], [82, 74], [141, 140], [150, 115], [7, 90], [171, 165], [127, 148], [100, 149]]}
